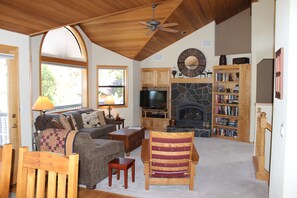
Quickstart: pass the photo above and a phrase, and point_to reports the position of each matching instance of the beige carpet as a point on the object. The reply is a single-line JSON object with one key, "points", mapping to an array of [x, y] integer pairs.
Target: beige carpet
{"points": [[225, 170]]}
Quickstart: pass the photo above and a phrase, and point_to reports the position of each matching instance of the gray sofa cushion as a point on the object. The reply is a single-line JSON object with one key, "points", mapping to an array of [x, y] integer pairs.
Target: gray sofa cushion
{"points": [[77, 117], [108, 147], [99, 132]]}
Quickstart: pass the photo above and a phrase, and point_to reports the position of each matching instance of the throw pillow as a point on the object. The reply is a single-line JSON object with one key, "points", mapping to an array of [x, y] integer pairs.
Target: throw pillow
{"points": [[90, 119], [101, 117], [72, 122], [56, 124], [64, 122]]}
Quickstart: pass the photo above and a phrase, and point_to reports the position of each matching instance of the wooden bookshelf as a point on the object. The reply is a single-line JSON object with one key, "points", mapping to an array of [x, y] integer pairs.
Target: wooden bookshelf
{"points": [[231, 102]]}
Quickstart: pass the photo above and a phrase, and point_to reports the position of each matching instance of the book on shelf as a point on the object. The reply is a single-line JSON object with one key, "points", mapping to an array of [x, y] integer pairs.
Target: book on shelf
{"points": [[226, 132]]}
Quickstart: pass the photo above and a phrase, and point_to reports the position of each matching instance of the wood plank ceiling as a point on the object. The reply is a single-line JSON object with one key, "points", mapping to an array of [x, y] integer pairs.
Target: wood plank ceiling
{"points": [[114, 24]]}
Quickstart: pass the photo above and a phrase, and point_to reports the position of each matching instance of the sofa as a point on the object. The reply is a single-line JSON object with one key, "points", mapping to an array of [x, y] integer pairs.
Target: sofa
{"points": [[95, 132], [92, 144]]}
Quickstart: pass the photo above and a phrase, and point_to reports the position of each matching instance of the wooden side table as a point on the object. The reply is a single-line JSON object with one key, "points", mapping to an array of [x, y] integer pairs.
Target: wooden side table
{"points": [[121, 163]]}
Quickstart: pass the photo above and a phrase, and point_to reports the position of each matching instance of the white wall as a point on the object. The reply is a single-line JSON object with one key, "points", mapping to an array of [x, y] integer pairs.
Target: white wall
{"points": [[171, 53], [22, 42], [35, 56], [101, 56], [136, 90], [283, 172], [202, 39], [262, 47]]}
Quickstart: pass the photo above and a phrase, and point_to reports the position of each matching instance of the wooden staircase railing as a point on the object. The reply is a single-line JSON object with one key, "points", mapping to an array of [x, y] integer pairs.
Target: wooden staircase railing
{"points": [[259, 158]]}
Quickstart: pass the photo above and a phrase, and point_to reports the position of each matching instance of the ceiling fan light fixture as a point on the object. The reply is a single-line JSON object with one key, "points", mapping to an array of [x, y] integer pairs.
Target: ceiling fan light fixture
{"points": [[154, 24]]}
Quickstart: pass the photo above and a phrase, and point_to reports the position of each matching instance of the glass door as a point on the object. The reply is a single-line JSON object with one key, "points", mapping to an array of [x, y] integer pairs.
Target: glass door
{"points": [[4, 132], [9, 102]]}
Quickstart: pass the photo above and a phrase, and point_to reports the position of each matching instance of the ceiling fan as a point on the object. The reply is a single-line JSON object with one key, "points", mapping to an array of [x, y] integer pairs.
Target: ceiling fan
{"points": [[154, 24]]}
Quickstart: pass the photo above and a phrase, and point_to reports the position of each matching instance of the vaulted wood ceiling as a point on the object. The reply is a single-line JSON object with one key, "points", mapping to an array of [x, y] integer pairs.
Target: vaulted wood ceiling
{"points": [[115, 24]]}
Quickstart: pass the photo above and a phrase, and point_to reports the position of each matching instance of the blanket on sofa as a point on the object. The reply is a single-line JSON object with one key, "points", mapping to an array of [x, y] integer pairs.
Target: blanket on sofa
{"points": [[57, 140]]}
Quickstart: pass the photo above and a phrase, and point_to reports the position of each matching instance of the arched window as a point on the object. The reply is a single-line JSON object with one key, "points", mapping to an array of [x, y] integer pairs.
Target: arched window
{"points": [[64, 69]]}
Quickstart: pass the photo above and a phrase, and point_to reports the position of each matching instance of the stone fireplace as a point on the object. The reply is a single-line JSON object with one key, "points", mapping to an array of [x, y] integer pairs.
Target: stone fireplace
{"points": [[191, 106]]}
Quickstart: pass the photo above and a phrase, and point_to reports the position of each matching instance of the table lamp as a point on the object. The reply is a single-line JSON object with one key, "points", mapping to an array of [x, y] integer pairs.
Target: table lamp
{"points": [[42, 104], [109, 101]]}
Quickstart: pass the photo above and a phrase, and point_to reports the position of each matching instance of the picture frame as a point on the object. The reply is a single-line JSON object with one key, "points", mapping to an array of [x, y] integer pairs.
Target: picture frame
{"points": [[279, 67]]}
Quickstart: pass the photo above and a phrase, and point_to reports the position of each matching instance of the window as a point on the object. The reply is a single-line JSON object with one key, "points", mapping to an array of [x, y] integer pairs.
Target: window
{"points": [[64, 69], [112, 87]]}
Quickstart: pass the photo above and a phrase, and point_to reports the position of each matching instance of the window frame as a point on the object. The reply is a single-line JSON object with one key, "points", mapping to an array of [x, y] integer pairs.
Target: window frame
{"points": [[125, 69], [69, 63]]}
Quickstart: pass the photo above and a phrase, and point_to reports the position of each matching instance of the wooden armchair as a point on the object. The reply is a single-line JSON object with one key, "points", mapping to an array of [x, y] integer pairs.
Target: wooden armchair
{"points": [[169, 159], [5, 169], [35, 169]]}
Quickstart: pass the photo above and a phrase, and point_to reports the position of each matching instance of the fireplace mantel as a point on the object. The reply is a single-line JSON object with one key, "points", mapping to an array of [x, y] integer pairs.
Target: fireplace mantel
{"points": [[191, 80]]}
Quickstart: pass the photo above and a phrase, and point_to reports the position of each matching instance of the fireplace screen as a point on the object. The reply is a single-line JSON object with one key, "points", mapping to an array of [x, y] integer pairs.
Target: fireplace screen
{"points": [[190, 114]]}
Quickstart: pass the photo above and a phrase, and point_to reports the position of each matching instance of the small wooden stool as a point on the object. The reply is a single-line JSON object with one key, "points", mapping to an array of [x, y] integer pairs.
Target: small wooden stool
{"points": [[121, 163]]}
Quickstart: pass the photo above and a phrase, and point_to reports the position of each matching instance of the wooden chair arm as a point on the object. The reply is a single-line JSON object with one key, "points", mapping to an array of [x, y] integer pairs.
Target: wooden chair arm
{"points": [[145, 157], [195, 155]]}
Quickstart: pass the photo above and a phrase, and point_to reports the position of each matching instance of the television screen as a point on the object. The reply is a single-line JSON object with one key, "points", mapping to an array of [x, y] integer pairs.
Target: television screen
{"points": [[152, 99]]}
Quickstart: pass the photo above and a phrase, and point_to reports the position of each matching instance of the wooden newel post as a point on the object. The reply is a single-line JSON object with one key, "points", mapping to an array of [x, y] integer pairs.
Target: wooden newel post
{"points": [[259, 158]]}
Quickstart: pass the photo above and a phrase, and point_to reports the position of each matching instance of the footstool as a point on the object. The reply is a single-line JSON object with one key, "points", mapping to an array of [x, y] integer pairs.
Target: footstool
{"points": [[121, 163]]}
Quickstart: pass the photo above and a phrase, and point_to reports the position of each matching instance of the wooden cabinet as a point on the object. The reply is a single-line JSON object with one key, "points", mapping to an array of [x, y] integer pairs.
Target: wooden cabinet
{"points": [[153, 119], [155, 77], [158, 124], [231, 102]]}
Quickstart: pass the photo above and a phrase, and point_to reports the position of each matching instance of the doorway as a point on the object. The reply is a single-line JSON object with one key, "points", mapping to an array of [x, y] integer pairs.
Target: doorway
{"points": [[9, 102]]}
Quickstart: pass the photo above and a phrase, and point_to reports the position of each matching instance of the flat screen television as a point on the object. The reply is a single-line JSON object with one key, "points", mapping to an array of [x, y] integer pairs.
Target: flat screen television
{"points": [[152, 99]]}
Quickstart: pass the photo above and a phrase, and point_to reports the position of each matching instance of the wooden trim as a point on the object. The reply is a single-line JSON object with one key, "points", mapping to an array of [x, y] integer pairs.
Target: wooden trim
{"points": [[191, 80], [73, 63], [80, 41], [125, 68], [5, 49], [111, 67]]}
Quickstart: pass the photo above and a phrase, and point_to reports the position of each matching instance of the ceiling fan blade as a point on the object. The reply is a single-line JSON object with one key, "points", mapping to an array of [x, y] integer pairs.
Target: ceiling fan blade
{"points": [[169, 25], [169, 30], [145, 23]]}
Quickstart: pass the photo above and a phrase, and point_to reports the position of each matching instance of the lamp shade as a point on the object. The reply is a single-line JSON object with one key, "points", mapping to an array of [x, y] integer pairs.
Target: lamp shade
{"points": [[109, 100], [42, 103]]}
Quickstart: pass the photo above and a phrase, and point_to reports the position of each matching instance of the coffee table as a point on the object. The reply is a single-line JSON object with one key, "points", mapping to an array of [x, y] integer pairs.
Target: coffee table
{"points": [[132, 138]]}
